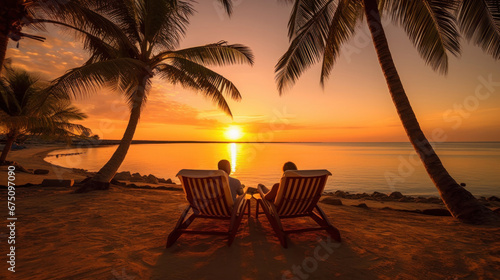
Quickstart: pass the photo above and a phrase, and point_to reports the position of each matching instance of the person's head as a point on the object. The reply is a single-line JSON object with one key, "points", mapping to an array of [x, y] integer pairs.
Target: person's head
{"points": [[289, 166], [224, 165]]}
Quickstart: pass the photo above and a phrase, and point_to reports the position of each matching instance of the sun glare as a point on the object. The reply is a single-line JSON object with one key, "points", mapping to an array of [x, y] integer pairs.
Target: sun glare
{"points": [[233, 133]]}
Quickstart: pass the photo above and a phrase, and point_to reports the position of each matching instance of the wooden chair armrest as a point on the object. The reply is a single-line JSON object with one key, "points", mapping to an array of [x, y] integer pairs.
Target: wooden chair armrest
{"points": [[261, 192], [245, 189], [240, 199]]}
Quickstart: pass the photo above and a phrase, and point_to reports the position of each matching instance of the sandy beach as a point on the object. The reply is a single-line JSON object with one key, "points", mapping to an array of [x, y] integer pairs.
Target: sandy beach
{"points": [[121, 234]]}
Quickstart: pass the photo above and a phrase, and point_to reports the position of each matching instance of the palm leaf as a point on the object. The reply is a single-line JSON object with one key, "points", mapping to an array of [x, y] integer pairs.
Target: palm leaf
{"points": [[480, 23], [100, 48], [218, 54], [163, 22], [341, 29], [301, 13], [123, 13], [88, 78], [37, 109], [195, 76], [431, 26], [177, 76], [166, 26], [75, 14], [307, 46], [228, 6]]}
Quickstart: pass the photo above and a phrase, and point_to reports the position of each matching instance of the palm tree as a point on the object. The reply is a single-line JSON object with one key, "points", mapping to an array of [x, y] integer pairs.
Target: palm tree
{"points": [[28, 106], [319, 28], [130, 42]]}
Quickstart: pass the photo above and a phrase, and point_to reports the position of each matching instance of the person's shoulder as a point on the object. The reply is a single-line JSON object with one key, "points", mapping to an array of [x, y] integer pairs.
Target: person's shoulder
{"points": [[231, 179]]}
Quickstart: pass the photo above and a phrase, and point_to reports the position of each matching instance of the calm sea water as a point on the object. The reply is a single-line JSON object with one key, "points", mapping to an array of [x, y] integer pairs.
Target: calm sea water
{"points": [[356, 167]]}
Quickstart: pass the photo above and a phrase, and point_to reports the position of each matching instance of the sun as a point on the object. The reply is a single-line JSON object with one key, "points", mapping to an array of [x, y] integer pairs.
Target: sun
{"points": [[233, 133]]}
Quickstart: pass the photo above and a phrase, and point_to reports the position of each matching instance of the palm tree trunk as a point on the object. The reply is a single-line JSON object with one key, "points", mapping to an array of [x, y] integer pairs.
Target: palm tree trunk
{"points": [[460, 202], [104, 176], [11, 137]]}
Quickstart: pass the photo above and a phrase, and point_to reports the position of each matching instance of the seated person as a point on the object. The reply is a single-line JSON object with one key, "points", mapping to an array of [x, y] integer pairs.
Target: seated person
{"points": [[234, 184], [271, 195]]}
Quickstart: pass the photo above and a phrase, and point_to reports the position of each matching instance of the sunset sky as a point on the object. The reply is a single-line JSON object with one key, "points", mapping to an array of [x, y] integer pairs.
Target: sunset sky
{"points": [[355, 104]]}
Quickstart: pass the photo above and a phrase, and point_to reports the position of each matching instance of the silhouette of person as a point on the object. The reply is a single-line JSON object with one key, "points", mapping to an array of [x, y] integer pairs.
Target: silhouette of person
{"points": [[234, 184], [270, 195]]}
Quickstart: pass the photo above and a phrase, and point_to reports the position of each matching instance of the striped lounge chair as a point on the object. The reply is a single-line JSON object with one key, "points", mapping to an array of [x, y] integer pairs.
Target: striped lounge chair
{"points": [[298, 195], [209, 197]]}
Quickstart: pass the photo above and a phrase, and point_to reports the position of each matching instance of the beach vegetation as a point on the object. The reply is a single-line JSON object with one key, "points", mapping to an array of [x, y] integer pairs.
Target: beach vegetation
{"points": [[29, 106]]}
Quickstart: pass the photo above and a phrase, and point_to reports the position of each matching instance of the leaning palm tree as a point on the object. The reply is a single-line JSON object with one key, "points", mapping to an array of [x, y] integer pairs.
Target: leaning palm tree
{"points": [[17, 14], [319, 28], [28, 107], [135, 41]]}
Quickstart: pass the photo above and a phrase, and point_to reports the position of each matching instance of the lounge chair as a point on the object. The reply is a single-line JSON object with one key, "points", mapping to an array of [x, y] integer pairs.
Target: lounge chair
{"points": [[209, 197], [298, 195]]}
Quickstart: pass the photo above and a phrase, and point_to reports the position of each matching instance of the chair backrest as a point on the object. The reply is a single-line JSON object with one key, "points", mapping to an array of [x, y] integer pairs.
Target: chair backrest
{"points": [[300, 191], [207, 191]]}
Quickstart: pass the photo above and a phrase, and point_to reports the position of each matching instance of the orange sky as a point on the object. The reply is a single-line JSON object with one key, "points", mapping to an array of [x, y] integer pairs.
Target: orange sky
{"points": [[355, 104]]}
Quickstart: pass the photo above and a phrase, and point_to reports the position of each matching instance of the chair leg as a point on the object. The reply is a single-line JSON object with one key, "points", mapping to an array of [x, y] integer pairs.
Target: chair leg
{"points": [[172, 237], [248, 201], [322, 220], [279, 232], [181, 224], [257, 209], [233, 227], [275, 224]]}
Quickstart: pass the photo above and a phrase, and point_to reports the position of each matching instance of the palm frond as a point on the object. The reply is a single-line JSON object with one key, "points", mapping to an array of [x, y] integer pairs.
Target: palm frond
{"points": [[98, 47], [121, 12], [88, 78], [76, 15], [301, 13], [195, 76], [203, 74], [218, 54], [38, 110], [228, 6], [17, 88], [479, 21], [58, 130], [341, 29], [166, 26], [25, 122], [431, 26], [307, 46]]}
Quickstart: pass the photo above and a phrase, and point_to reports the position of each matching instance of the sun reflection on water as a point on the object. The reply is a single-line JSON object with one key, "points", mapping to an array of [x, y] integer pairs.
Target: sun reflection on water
{"points": [[234, 153]]}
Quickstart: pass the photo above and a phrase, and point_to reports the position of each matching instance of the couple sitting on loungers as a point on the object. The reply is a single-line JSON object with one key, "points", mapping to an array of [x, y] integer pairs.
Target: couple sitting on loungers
{"points": [[237, 188], [212, 194]]}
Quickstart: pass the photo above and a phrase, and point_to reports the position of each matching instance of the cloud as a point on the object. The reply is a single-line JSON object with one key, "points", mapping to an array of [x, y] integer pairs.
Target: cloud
{"points": [[167, 111]]}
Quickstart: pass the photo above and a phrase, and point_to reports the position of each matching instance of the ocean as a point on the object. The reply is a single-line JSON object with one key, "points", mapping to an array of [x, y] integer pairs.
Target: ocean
{"points": [[356, 167]]}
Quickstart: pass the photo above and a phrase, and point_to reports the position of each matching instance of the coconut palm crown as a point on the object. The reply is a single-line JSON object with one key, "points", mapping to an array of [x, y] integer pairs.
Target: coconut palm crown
{"points": [[319, 28], [129, 43], [29, 106]]}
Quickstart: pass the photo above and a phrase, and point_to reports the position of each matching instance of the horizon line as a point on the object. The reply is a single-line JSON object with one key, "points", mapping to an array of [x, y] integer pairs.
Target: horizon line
{"points": [[112, 141]]}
